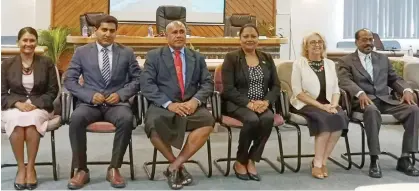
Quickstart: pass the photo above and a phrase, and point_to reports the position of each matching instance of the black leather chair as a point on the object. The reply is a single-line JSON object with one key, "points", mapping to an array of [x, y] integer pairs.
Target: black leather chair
{"points": [[89, 19], [167, 14], [233, 23]]}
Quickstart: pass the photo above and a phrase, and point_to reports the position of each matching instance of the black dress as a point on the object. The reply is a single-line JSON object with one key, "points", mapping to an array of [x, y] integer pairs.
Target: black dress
{"points": [[319, 120]]}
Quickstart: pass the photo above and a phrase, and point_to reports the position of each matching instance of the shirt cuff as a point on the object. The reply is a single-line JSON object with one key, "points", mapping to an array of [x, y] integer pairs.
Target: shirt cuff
{"points": [[408, 89], [199, 102], [359, 93], [165, 105]]}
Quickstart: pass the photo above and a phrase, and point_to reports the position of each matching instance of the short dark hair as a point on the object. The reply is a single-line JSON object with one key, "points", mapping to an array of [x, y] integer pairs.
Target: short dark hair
{"points": [[247, 26], [106, 19], [29, 30], [357, 32]]}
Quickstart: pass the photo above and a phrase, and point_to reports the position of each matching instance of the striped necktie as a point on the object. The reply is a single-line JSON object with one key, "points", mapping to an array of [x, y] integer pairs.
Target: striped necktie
{"points": [[368, 66], [106, 68]]}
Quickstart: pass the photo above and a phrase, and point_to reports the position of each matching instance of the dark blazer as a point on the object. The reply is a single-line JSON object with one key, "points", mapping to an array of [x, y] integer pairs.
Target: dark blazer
{"points": [[125, 74], [159, 82], [45, 87], [235, 77], [354, 78]]}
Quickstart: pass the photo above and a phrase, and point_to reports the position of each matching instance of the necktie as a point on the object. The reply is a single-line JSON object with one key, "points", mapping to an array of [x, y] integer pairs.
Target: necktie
{"points": [[106, 68], [179, 73], [368, 66]]}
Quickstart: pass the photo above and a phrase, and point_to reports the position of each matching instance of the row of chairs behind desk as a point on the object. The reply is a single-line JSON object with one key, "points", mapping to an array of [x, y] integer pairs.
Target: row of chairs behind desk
{"points": [[64, 106]]}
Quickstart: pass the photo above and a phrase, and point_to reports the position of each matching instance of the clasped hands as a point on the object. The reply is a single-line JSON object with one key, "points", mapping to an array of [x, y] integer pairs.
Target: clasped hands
{"points": [[25, 107], [112, 99], [258, 106], [185, 108], [330, 108]]}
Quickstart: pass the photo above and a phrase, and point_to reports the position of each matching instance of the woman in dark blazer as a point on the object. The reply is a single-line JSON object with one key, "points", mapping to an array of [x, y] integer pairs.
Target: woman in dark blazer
{"points": [[250, 87], [28, 88]]}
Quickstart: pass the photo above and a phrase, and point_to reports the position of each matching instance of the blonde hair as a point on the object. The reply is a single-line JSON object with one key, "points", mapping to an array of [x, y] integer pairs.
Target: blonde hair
{"points": [[304, 45]]}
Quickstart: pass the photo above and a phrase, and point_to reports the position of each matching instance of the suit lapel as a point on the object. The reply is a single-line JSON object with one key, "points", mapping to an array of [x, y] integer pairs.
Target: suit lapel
{"points": [[170, 64], [16, 72], [360, 67], [243, 65], [190, 66], [115, 58], [94, 60], [375, 66]]}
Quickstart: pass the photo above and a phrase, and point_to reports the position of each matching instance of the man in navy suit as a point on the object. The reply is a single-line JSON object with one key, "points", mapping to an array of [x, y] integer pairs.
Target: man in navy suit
{"points": [[111, 76], [177, 83]]}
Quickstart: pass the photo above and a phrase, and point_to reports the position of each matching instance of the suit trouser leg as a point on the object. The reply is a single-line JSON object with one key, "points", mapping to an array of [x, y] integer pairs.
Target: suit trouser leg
{"points": [[122, 118], [409, 114], [81, 117], [372, 122], [266, 120], [248, 133]]}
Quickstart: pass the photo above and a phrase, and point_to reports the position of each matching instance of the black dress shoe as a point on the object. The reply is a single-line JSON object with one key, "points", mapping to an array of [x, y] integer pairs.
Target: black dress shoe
{"points": [[185, 176], [19, 186], [32, 186], [254, 177], [238, 175], [375, 170], [405, 165], [173, 179]]}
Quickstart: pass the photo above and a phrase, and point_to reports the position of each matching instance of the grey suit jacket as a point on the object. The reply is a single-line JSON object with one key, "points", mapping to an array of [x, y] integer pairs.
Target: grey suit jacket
{"points": [[354, 78], [159, 82], [125, 74]]}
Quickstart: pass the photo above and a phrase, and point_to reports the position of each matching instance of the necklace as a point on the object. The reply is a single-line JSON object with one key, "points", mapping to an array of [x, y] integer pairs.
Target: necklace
{"points": [[27, 70], [317, 66]]}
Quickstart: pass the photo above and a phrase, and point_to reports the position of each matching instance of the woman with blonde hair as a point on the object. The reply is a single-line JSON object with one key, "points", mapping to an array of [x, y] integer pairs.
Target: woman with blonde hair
{"points": [[316, 97]]}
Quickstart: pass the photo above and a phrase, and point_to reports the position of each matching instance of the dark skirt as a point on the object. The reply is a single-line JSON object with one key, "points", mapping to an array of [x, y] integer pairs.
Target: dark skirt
{"points": [[171, 127], [321, 121]]}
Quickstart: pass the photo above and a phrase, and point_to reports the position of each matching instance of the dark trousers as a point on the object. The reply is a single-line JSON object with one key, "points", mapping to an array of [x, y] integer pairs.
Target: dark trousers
{"points": [[84, 115], [256, 128], [408, 114]]}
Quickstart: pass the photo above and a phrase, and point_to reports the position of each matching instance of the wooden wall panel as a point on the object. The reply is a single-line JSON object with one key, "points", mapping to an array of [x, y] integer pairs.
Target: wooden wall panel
{"points": [[67, 12]]}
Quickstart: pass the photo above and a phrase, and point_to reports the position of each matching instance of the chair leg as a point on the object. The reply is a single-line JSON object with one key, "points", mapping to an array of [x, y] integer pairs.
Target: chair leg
{"points": [[54, 160], [153, 166], [414, 159], [348, 151], [209, 158], [298, 156], [281, 150], [131, 160], [228, 159], [347, 156]]}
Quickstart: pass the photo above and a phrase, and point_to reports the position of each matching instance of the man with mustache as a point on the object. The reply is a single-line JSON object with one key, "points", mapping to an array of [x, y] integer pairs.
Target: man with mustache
{"points": [[111, 76], [366, 75], [177, 83]]}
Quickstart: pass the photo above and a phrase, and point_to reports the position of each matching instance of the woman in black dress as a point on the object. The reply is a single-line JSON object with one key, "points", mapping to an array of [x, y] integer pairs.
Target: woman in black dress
{"points": [[316, 96]]}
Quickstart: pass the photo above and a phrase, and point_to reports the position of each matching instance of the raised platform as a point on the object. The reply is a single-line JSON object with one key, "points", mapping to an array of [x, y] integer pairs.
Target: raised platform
{"points": [[211, 47]]}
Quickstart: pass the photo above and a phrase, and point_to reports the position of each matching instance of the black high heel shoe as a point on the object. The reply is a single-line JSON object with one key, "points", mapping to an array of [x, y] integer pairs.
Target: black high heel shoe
{"points": [[32, 186], [19, 186], [255, 177], [238, 175]]}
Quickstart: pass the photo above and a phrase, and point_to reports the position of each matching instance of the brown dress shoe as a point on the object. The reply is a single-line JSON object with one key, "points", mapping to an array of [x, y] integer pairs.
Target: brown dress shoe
{"points": [[115, 178], [325, 171], [79, 180]]}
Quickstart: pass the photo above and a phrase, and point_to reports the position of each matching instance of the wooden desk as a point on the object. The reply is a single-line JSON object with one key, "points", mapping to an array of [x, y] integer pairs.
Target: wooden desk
{"points": [[7, 52], [211, 47]]}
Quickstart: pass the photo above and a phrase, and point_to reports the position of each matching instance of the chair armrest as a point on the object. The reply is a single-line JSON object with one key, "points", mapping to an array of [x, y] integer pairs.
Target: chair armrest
{"points": [[345, 102], [68, 106], [63, 107], [285, 105], [417, 95], [216, 106], [279, 104]]}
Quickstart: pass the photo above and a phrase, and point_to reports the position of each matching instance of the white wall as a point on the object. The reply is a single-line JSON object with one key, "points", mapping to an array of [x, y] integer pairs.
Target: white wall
{"points": [[16, 14], [324, 16]]}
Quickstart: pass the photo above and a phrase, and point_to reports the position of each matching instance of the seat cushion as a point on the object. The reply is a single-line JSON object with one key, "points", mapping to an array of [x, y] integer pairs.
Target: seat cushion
{"points": [[386, 118], [54, 123], [101, 127], [296, 118], [232, 122]]}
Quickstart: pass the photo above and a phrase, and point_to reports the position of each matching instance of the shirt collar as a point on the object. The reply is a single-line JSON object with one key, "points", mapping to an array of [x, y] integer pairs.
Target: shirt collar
{"points": [[182, 51], [362, 55], [99, 47]]}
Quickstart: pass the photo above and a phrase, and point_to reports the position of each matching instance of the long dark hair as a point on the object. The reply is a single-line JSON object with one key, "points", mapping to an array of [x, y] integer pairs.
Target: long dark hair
{"points": [[29, 30]]}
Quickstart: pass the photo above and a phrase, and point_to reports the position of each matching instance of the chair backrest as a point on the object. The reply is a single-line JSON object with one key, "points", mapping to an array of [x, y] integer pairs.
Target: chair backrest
{"points": [[233, 23], [168, 13], [58, 108], [218, 79], [377, 42], [284, 70], [410, 73], [89, 19]]}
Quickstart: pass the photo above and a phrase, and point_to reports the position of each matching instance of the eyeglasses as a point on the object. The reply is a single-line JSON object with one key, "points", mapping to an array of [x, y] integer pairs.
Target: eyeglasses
{"points": [[314, 42]]}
